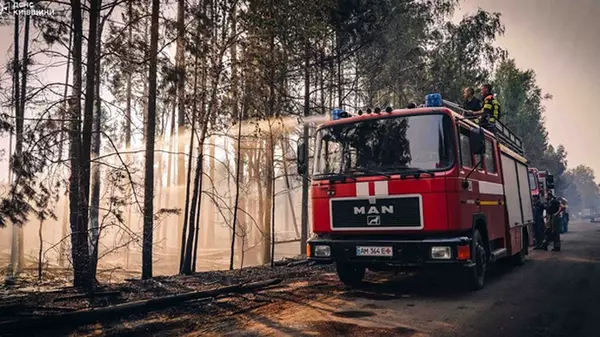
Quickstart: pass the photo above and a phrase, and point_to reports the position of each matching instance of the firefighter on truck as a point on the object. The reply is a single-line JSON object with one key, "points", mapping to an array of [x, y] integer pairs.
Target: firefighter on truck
{"points": [[420, 187]]}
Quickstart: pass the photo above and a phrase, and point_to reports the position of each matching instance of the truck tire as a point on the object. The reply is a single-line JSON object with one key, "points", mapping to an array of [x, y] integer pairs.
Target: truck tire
{"points": [[476, 275], [350, 274], [519, 258]]}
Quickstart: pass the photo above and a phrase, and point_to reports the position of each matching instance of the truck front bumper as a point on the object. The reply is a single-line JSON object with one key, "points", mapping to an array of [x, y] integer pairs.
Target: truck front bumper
{"points": [[405, 253]]}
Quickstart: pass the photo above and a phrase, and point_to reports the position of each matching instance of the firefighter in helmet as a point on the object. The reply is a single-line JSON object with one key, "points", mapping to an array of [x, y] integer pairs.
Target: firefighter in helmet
{"points": [[553, 227], [490, 112]]}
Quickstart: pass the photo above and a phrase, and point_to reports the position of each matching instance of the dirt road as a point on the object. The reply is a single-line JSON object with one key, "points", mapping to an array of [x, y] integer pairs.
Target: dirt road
{"points": [[554, 294]]}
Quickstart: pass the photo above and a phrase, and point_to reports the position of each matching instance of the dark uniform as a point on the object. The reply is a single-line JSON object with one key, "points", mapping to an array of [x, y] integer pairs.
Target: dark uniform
{"points": [[490, 113], [538, 222], [473, 105], [553, 226]]}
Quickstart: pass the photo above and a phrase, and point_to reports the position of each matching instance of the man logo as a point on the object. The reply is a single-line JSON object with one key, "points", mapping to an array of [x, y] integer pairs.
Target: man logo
{"points": [[374, 210], [373, 220]]}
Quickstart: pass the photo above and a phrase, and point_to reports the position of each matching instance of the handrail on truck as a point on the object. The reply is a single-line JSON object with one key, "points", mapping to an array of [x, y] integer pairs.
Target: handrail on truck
{"points": [[503, 134]]}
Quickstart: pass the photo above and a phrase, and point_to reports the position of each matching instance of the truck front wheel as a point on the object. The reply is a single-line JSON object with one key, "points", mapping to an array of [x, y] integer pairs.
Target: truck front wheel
{"points": [[476, 275], [350, 274]]}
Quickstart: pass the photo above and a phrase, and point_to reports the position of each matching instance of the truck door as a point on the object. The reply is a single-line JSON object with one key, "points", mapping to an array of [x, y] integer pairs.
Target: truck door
{"points": [[469, 197], [491, 192]]}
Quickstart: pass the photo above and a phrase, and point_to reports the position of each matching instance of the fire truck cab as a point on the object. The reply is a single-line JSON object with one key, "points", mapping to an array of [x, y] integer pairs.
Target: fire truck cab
{"points": [[534, 183], [546, 181], [421, 187]]}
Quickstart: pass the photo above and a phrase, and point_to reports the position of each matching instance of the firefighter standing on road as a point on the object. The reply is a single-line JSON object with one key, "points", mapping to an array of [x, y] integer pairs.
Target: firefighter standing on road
{"points": [[565, 215], [490, 112], [538, 221], [553, 226]]}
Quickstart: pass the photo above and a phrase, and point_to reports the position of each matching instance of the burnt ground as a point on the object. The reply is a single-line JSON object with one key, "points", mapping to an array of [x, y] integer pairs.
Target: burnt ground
{"points": [[553, 294]]}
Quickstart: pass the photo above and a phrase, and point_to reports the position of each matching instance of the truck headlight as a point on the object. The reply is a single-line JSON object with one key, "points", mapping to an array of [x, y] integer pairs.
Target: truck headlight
{"points": [[441, 253], [322, 251]]}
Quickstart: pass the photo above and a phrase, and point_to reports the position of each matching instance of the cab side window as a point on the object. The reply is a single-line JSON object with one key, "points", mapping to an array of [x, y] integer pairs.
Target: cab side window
{"points": [[466, 158], [490, 159]]}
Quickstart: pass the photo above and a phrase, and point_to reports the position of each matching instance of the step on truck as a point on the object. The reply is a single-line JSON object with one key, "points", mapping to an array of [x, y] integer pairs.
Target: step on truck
{"points": [[421, 187]]}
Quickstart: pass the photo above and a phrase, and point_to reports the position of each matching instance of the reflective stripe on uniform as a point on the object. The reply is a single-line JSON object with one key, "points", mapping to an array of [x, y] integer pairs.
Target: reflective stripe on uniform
{"points": [[491, 108]]}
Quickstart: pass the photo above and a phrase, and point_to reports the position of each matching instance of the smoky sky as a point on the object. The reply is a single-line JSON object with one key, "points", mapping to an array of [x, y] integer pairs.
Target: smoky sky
{"points": [[560, 41]]}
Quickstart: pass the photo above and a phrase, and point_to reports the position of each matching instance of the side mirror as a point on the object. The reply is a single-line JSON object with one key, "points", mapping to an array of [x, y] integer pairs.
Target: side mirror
{"points": [[477, 141], [301, 159]]}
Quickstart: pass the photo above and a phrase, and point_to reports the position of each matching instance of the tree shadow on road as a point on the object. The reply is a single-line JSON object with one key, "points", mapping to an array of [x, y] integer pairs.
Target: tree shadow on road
{"points": [[423, 284]]}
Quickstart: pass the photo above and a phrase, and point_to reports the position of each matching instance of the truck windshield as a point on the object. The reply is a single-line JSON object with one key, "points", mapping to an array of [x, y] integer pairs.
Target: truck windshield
{"points": [[390, 145]]}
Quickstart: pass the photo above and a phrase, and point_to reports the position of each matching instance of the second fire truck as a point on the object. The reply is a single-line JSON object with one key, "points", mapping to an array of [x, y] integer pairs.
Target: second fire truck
{"points": [[421, 187]]}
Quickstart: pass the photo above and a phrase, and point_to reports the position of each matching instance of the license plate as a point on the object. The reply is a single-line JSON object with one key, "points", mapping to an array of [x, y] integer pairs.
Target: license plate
{"points": [[374, 251]]}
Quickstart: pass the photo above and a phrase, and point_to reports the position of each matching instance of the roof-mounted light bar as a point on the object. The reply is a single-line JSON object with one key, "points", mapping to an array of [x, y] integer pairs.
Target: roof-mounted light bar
{"points": [[433, 100], [338, 114]]}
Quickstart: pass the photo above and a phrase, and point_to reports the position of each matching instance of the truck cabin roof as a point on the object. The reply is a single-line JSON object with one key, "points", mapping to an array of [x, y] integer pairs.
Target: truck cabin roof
{"points": [[399, 113]]}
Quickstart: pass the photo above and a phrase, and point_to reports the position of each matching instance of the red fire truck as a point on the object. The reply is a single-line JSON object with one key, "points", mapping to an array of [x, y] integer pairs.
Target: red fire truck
{"points": [[534, 183], [421, 187], [546, 182]]}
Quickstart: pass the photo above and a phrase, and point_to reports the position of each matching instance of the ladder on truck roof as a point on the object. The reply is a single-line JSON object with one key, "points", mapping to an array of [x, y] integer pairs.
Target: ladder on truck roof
{"points": [[503, 134]]}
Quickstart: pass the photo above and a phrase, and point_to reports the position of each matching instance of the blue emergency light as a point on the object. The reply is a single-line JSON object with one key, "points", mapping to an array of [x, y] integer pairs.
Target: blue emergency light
{"points": [[338, 113], [433, 100]]}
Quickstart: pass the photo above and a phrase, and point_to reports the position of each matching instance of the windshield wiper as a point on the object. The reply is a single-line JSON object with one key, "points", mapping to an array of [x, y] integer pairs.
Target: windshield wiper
{"points": [[415, 171], [369, 171], [335, 177]]}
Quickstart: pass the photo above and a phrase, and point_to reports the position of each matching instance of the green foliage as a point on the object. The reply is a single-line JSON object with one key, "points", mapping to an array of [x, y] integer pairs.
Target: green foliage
{"points": [[464, 54], [522, 108]]}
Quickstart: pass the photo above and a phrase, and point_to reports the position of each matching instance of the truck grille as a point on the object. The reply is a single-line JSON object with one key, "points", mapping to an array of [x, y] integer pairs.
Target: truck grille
{"points": [[385, 213]]}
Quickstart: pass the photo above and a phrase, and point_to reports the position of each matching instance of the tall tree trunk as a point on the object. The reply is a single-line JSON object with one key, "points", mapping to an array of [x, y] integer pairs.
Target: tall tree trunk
{"points": [[235, 114], [129, 82], [186, 217], [14, 267], [14, 247], [128, 117], [284, 148], [272, 255], [305, 139], [65, 219], [96, 138], [194, 117], [266, 219], [170, 159], [340, 76], [160, 239], [23, 83], [238, 172], [269, 154], [150, 131], [322, 82], [145, 84], [187, 260], [180, 65], [41, 250], [210, 223], [331, 75], [197, 235], [197, 193], [79, 246], [88, 119]]}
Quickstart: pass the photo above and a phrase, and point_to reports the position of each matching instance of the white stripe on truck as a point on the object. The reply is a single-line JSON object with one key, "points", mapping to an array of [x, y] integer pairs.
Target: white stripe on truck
{"points": [[486, 187], [381, 188], [362, 189]]}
